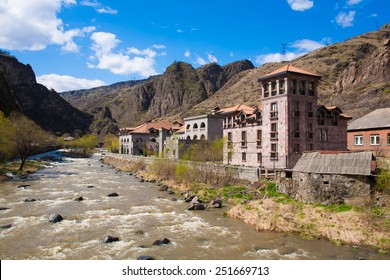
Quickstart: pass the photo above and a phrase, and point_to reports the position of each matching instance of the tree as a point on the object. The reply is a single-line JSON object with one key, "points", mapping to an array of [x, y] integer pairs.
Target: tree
{"points": [[6, 138], [28, 137], [111, 143], [86, 142]]}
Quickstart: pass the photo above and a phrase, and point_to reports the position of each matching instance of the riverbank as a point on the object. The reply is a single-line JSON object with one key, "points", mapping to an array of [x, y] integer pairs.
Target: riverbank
{"points": [[261, 206]]}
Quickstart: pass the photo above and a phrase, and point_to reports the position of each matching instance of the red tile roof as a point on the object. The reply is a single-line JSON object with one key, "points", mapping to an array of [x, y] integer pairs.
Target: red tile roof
{"points": [[146, 127], [289, 69], [237, 108]]}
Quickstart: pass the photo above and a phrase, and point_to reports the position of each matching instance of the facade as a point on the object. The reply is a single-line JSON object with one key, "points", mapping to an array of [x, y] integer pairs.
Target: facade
{"points": [[203, 127], [288, 122], [146, 139], [371, 133], [330, 177]]}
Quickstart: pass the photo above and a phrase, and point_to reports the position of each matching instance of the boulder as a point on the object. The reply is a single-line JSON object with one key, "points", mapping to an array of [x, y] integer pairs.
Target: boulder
{"points": [[110, 239], [163, 188], [4, 208], [30, 200], [90, 187], [216, 203], [55, 218], [113, 194], [141, 180], [142, 258], [161, 242], [80, 198], [170, 192], [196, 199], [196, 206], [6, 226], [189, 197], [23, 186]]}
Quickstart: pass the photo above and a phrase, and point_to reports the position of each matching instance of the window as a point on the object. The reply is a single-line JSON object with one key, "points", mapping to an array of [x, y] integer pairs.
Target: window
{"points": [[302, 87], [311, 88], [309, 108], [274, 131], [296, 148], [358, 140], [266, 90], [195, 126], [374, 139], [310, 131], [323, 135], [243, 156], [188, 126], [259, 139], [259, 158], [293, 86], [195, 137], [202, 137], [282, 86], [335, 118], [229, 140], [202, 125], [321, 117], [274, 110], [243, 139], [274, 152], [296, 108], [309, 147], [388, 138], [258, 118], [273, 88], [296, 130]]}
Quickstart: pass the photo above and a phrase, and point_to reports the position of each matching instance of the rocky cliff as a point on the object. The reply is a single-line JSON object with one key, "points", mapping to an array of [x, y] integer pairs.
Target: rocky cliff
{"points": [[170, 94], [20, 92]]}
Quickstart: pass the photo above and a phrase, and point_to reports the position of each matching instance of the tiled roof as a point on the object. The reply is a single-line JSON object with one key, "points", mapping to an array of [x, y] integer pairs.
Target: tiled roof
{"points": [[379, 118], [289, 69], [237, 108], [333, 162]]}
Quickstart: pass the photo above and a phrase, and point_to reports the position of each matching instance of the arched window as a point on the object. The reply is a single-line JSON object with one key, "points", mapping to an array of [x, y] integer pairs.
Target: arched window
{"points": [[195, 125], [242, 118], [188, 126], [202, 137], [188, 138], [195, 137], [202, 125]]}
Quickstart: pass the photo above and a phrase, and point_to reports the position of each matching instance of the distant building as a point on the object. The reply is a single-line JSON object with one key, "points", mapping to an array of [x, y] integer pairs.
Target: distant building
{"points": [[371, 133], [146, 139], [287, 123]]}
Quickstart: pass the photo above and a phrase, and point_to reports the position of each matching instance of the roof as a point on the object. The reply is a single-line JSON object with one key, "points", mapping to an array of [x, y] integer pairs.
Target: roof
{"points": [[335, 162], [289, 69], [146, 127], [379, 118], [237, 108]]}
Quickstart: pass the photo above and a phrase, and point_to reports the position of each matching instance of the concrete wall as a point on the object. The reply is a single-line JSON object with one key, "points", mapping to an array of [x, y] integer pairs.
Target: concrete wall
{"points": [[205, 127], [326, 189]]}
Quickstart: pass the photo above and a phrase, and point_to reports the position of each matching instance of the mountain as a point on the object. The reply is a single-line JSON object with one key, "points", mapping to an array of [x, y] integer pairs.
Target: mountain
{"points": [[173, 93], [20, 92], [355, 76]]}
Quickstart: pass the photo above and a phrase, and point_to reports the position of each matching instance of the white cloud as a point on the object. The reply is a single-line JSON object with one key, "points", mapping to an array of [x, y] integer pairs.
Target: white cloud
{"points": [[180, 31], [65, 83], [159, 47], [133, 61], [212, 58], [33, 25], [99, 7], [300, 5], [187, 54], [306, 45], [353, 2], [301, 47], [200, 60], [345, 19]]}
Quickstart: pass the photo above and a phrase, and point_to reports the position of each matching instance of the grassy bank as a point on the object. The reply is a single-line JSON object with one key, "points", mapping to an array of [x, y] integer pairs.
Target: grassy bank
{"points": [[13, 167], [260, 205]]}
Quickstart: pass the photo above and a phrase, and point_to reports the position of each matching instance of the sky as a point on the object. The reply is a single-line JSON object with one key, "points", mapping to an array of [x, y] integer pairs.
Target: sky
{"points": [[76, 44]]}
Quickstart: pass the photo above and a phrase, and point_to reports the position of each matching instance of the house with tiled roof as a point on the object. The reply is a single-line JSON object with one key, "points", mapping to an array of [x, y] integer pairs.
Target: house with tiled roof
{"points": [[371, 133], [288, 122], [147, 138]]}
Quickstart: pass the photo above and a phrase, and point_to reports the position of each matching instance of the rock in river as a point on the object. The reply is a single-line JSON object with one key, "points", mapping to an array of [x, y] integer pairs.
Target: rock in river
{"points": [[55, 218], [110, 239], [30, 200], [80, 198], [113, 194], [161, 242], [142, 258]]}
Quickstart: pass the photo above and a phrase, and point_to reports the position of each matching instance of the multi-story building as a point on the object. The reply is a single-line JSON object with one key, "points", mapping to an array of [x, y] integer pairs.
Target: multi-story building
{"points": [[371, 133], [287, 123], [203, 127]]}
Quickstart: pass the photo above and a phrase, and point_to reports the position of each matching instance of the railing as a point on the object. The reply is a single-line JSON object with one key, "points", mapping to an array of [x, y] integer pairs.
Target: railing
{"points": [[274, 136], [273, 115]]}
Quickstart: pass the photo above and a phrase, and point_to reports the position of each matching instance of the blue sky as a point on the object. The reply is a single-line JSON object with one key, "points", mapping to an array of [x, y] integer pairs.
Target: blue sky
{"points": [[73, 44]]}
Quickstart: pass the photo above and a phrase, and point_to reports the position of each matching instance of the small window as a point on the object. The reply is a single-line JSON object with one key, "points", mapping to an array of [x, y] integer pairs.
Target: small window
{"points": [[259, 157], [202, 125], [374, 139], [388, 139], [243, 139], [358, 140], [188, 126], [243, 157], [195, 125], [296, 148]]}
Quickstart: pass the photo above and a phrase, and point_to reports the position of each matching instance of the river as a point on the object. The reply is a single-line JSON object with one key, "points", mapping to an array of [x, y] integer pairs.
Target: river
{"points": [[138, 216]]}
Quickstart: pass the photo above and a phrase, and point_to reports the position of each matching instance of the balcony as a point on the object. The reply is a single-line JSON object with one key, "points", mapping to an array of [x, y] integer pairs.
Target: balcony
{"points": [[266, 94], [274, 136], [273, 115], [259, 143], [243, 144]]}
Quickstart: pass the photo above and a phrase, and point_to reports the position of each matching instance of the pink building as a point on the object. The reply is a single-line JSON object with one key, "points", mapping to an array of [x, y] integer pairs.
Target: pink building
{"points": [[287, 123]]}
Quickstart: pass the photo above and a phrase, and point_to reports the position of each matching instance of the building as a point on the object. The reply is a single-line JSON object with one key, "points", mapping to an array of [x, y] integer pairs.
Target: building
{"points": [[203, 127], [330, 177], [146, 139], [371, 133], [288, 122]]}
